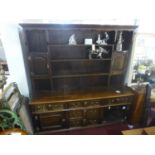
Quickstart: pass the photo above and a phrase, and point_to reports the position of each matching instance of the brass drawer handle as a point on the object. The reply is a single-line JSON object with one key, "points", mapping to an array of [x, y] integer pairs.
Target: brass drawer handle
{"points": [[63, 120], [84, 110], [49, 105], [38, 107], [37, 128], [85, 103], [84, 120], [36, 117]]}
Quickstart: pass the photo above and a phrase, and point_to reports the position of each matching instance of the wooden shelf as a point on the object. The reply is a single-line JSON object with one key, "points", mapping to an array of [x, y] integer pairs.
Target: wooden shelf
{"points": [[78, 45], [40, 77], [80, 75], [88, 60], [117, 73]]}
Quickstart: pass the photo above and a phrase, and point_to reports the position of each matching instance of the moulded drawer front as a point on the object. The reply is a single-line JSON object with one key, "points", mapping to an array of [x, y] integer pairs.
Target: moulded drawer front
{"points": [[46, 107], [118, 100], [91, 116], [75, 113], [75, 122], [58, 106], [92, 113], [38, 108], [91, 103], [75, 104]]}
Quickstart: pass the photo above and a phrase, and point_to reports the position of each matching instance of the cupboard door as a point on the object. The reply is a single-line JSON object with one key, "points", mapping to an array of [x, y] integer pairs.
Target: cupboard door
{"points": [[92, 116], [75, 122], [36, 123], [119, 62], [116, 113], [75, 114], [51, 121], [38, 64]]}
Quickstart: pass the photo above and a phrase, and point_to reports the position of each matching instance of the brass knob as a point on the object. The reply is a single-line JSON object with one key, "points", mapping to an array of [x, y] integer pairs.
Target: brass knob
{"points": [[124, 107], [29, 58], [49, 105], [84, 111], [38, 107], [36, 117], [84, 120], [85, 103], [63, 120], [37, 128], [32, 73]]}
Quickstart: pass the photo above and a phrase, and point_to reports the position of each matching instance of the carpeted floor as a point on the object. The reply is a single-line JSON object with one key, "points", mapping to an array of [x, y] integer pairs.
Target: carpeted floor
{"points": [[105, 130]]}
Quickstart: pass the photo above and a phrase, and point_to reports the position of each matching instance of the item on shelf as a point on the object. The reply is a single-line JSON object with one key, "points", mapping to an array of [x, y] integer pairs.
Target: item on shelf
{"points": [[104, 41], [119, 43], [93, 47], [99, 39], [88, 41], [92, 51], [97, 53], [72, 40], [100, 52]]}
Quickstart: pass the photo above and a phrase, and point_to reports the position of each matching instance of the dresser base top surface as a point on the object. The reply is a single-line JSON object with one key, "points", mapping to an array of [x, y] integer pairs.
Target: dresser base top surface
{"points": [[79, 96]]}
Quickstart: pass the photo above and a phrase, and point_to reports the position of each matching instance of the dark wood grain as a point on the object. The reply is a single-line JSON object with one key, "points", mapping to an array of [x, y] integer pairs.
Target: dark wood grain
{"points": [[70, 90]]}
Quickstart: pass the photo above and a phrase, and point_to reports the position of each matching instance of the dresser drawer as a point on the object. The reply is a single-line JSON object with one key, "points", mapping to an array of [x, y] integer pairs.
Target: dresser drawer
{"points": [[46, 107], [92, 116], [75, 113], [58, 106], [75, 104], [75, 122], [37, 108], [91, 103], [118, 100]]}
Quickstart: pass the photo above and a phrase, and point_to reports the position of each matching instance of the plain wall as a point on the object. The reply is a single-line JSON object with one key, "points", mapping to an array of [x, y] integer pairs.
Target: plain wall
{"points": [[14, 55]]}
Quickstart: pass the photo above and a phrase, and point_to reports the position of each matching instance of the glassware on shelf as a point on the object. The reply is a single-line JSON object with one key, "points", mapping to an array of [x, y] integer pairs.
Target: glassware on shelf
{"points": [[97, 53], [102, 41], [72, 40]]}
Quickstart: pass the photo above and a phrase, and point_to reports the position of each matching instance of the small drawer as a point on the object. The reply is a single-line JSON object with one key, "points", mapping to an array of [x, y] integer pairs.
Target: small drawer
{"points": [[50, 107], [91, 103], [75, 104], [92, 121], [76, 113], [75, 122], [38, 108]]}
